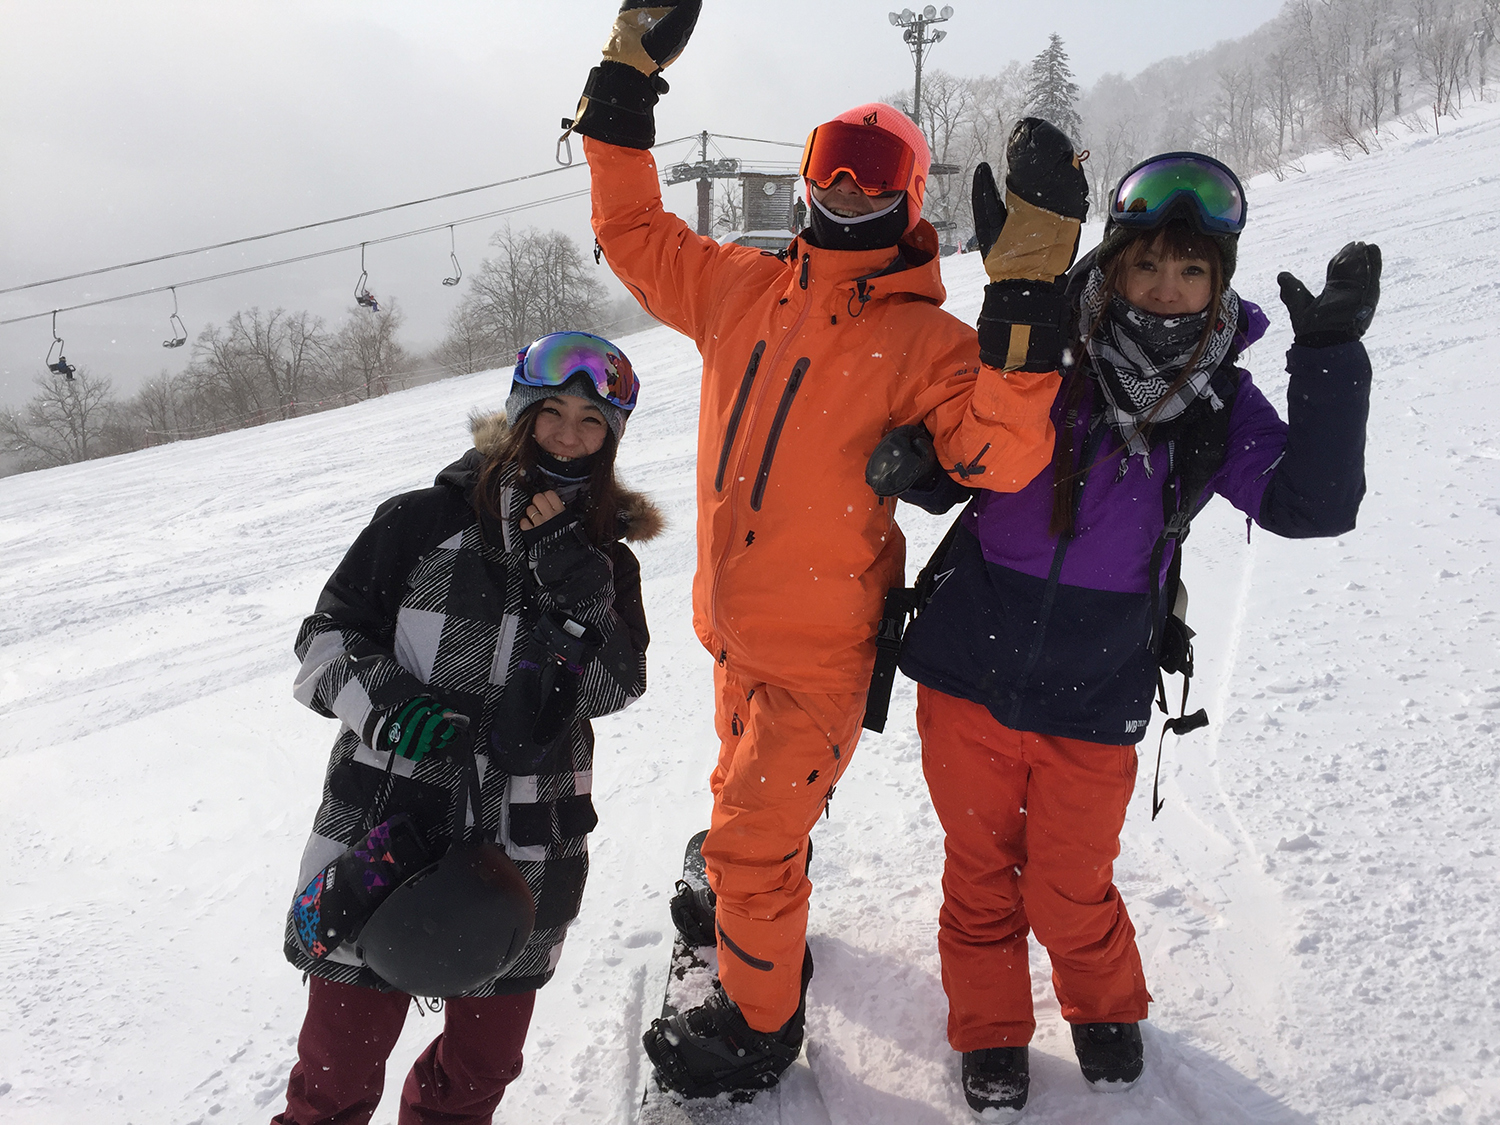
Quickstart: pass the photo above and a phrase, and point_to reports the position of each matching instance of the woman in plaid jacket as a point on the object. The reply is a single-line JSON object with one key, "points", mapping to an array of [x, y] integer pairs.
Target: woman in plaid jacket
{"points": [[505, 595]]}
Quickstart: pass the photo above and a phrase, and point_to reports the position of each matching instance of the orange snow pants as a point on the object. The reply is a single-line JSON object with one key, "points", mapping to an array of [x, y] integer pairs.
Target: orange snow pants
{"points": [[1033, 828], [780, 754]]}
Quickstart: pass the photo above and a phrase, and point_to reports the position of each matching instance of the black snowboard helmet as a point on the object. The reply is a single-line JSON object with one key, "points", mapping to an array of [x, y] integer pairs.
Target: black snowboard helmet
{"points": [[453, 926]]}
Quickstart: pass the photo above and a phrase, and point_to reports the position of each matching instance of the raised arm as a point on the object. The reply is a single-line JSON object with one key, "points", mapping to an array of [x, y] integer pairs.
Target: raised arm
{"points": [[990, 422], [670, 269], [1317, 486], [674, 273]]}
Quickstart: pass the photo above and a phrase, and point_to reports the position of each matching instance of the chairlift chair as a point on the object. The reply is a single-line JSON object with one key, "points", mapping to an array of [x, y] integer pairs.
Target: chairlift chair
{"points": [[60, 365], [458, 272], [362, 296], [179, 330]]}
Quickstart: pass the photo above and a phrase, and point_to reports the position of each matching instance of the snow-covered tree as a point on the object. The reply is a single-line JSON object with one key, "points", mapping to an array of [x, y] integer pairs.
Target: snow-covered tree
{"points": [[967, 120], [1051, 93], [366, 354], [537, 282], [65, 422]]}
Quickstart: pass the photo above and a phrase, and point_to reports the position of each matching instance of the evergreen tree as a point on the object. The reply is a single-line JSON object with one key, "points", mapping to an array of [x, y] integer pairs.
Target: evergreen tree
{"points": [[1051, 93]]}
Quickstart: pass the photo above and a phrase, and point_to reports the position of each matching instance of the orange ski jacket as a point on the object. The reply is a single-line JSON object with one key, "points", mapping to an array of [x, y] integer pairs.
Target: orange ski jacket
{"points": [[809, 358]]}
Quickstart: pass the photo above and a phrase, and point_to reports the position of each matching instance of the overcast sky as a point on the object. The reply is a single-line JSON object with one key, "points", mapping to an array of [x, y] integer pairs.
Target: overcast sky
{"points": [[130, 129]]}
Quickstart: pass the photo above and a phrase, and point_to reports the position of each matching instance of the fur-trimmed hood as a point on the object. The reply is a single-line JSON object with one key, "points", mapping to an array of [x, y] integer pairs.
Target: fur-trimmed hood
{"points": [[640, 518]]}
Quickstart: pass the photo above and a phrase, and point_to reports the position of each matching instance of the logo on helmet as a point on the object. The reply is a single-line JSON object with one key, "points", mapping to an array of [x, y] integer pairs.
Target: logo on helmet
{"points": [[870, 118]]}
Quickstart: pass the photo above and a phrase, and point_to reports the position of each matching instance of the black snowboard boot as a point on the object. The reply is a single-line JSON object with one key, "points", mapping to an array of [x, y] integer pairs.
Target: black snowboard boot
{"points": [[1109, 1053], [997, 1078], [711, 1050]]}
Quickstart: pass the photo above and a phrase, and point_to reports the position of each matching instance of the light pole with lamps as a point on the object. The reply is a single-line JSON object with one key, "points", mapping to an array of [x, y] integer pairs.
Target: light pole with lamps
{"points": [[919, 39]]}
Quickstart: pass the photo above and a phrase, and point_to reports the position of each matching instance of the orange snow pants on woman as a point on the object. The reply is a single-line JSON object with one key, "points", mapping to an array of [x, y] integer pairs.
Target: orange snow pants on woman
{"points": [[780, 754], [1033, 828]]}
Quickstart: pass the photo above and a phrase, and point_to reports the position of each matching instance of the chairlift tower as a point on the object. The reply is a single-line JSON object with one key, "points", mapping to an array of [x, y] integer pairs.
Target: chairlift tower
{"points": [[920, 40], [705, 171]]}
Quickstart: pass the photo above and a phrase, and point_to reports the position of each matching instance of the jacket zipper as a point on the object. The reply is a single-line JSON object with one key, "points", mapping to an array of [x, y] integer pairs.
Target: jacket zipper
{"points": [[782, 409], [739, 408], [787, 338]]}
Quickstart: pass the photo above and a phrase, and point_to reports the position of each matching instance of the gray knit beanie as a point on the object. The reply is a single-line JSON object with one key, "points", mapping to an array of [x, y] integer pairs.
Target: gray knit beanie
{"points": [[580, 386]]}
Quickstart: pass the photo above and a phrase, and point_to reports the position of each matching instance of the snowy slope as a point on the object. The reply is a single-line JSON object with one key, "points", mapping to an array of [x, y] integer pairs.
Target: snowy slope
{"points": [[1317, 904]]}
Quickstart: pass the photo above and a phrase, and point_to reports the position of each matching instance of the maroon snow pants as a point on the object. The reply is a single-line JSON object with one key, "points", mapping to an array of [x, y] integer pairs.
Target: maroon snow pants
{"points": [[350, 1031]]}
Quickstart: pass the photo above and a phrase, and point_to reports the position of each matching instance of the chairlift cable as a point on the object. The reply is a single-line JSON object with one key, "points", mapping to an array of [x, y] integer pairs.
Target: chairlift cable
{"points": [[757, 140], [275, 233], [302, 257], [296, 229]]}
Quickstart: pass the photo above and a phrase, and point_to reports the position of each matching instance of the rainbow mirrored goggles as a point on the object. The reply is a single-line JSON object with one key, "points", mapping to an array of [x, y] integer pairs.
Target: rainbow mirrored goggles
{"points": [[550, 361], [876, 161], [1153, 189]]}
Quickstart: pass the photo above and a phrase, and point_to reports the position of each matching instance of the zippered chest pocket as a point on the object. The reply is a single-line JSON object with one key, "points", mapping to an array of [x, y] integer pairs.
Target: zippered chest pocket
{"points": [[738, 411], [783, 408]]}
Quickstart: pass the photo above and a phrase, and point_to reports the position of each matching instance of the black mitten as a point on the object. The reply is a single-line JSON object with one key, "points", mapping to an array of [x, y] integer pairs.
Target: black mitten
{"points": [[570, 568], [1043, 169], [904, 459], [619, 98], [1028, 241], [1341, 313]]}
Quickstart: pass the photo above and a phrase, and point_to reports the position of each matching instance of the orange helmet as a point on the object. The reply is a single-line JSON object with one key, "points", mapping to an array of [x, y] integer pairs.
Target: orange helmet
{"points": [[879, 147]]}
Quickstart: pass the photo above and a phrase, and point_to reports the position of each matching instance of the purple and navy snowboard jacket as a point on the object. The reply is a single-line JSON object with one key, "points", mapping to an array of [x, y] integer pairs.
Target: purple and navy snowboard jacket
{"points": [[1054, 637]]}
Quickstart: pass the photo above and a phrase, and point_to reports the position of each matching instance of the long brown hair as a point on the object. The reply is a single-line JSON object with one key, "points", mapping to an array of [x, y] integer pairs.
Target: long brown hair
{"points": [[517, 446], [1176, 240]]}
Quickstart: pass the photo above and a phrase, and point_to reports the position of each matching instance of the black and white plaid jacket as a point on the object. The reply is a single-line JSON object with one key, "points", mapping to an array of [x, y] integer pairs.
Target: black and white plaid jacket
{"points": [[430, 601]]}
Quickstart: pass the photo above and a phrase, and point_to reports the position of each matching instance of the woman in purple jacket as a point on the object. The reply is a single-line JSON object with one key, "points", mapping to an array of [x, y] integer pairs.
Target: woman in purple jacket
{"points": [[1036, 658]]}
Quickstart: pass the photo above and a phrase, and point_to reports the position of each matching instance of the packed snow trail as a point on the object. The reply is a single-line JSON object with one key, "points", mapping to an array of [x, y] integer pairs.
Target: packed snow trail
{"points": [[1316, 905]]}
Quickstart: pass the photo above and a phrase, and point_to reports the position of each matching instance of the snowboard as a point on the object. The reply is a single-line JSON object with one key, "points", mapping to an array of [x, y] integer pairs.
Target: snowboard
{"points": [[690, 978]]}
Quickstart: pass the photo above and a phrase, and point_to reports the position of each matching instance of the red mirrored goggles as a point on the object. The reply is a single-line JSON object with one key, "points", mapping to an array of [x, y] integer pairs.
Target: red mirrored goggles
{"points": [[874, 159]]}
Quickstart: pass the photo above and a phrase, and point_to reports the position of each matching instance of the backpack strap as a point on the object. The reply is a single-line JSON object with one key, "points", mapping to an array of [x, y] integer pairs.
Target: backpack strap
{"points": [[1194, 455], [902, 604]]}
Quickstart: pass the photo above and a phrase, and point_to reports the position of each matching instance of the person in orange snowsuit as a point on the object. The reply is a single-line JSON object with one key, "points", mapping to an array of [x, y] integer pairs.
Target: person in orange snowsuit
{"points": [[810, 357]]}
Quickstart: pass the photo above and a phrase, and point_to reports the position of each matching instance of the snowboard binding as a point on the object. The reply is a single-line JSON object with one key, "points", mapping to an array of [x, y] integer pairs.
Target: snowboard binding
{"points": [[711, 1050], [695, 913]]}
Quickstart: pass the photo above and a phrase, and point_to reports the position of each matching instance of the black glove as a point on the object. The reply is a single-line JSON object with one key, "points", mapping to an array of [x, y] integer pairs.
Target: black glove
{"points": [[904, 458], [1028, 242], [1341, 313], [565, 563], [620, 95]]}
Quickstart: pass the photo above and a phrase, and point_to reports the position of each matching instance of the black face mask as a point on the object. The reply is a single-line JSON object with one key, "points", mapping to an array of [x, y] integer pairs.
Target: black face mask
{"points": [[577, 469], [1165, 338], [829, 233]]}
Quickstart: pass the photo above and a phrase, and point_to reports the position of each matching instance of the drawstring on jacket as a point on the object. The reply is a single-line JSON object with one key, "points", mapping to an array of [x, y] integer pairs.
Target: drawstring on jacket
{"points": [[863, 292]]}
